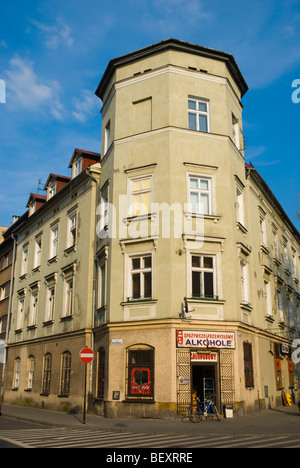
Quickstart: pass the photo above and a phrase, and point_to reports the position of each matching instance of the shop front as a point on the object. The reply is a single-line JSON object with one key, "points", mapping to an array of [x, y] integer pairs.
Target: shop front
{"points": [[205, 367]]}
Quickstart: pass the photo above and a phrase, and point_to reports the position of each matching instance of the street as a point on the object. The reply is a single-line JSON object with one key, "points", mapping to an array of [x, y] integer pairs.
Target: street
{"points": [[278, 428]]}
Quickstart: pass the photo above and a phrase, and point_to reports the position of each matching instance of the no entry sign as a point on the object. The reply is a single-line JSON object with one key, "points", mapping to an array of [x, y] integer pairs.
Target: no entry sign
{"points": [[86, 355]]}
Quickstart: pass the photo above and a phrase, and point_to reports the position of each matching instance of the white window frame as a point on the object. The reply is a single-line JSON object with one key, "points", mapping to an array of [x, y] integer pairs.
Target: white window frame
{"points": [[240, 205], [20, 315], [49, 311], [72, 230], [77, 167], [141, 271], [30, 372], [235, 131], [197, 113], [38, 252], [69, 293], [202, 270], [268, 298], [142, 192], [52, 190], [24, 266], [103, 223], [17, 372], [33, 308], [245, 281], [2, 292], [101, 282], [280, 305], [107, 135], [54, 241], [199, 191]]}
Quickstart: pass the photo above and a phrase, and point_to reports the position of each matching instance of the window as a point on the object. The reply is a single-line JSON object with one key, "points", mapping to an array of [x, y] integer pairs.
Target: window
{"points": [[38, 252], [30, 372], [141, 277], [52, 190], [101, 277], [244, 281], [50, 304], [263, 230], [140, 196], [2, 292], [235, 131], [54, 242], [68, 312], [107, 137], [72, 227], [24, 261], [103, 223], [200, 195], [280, 306], [268, 298], [203, 276], [77, 167], [20, 315], [33, 309], [248, 365], [17, 370], [140, 372], [275, 244], [47, 369], [240, 206], [198, 113], [65, 374]]}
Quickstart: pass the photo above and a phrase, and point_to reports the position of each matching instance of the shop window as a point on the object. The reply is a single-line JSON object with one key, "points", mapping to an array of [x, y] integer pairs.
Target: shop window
{"points": [[277, 356], [140, 373], [248, 365]]}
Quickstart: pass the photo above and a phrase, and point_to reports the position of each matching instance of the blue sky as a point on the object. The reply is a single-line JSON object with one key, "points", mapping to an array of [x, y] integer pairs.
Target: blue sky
{"points": [[53, 54]]}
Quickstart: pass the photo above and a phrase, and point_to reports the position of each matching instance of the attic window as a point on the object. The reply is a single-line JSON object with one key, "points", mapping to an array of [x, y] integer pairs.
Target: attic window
{"points": [[52, 190], [77, 167]]}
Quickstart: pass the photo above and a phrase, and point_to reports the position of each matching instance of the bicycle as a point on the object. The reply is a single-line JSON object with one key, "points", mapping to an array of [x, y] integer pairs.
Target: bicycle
{"points": [[203, 408]]}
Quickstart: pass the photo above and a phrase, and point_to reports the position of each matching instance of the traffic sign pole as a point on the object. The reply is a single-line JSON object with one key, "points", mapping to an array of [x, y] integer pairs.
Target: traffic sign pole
{"points": [[86, 356]]}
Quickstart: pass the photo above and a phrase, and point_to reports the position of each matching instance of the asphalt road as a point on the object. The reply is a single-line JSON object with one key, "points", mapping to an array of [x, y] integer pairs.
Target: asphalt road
{"points": [[7, 424]]}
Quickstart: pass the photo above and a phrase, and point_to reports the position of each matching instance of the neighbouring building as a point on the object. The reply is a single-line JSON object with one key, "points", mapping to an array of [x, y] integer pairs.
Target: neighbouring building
{"points": [[7, 259], [52, 300], [198, 265]]}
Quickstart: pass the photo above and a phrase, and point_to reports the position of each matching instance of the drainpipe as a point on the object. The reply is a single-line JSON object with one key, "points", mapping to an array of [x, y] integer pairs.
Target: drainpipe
{"points": [[9, 313], [89, 173]]}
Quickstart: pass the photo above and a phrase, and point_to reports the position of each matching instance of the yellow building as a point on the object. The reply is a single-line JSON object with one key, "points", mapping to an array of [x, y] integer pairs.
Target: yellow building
{"points": [[197, 263]]}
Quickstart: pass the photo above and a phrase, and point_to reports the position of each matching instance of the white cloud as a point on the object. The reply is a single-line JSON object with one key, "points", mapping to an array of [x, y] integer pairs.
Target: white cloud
{"points": [[25, 89], [85, 106], [54, 36]]}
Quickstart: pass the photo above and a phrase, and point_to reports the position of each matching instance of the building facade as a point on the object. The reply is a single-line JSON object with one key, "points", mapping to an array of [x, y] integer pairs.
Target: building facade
{"points": [[190, 276], [168, 255], [52, 300]]}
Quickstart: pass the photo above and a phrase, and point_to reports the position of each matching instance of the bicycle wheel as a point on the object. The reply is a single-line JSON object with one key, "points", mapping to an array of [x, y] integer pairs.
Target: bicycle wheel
{"points": [[216, 413], [195, 414]]}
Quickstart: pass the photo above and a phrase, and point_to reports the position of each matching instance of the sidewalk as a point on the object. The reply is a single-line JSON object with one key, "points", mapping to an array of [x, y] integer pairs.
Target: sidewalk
{"points": [[281, 420]]}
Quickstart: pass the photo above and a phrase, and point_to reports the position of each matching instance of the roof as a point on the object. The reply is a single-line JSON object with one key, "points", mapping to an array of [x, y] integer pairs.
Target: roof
{"points": [[36, 196], [81, 152], [56, 177], [177, 45]]}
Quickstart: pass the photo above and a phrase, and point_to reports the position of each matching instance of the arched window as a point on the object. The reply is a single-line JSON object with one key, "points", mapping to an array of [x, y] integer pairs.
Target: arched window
{"points": [[17, 370], [140, 376], [65, 374], [30, 373], [101, 373], [47, 368]]}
